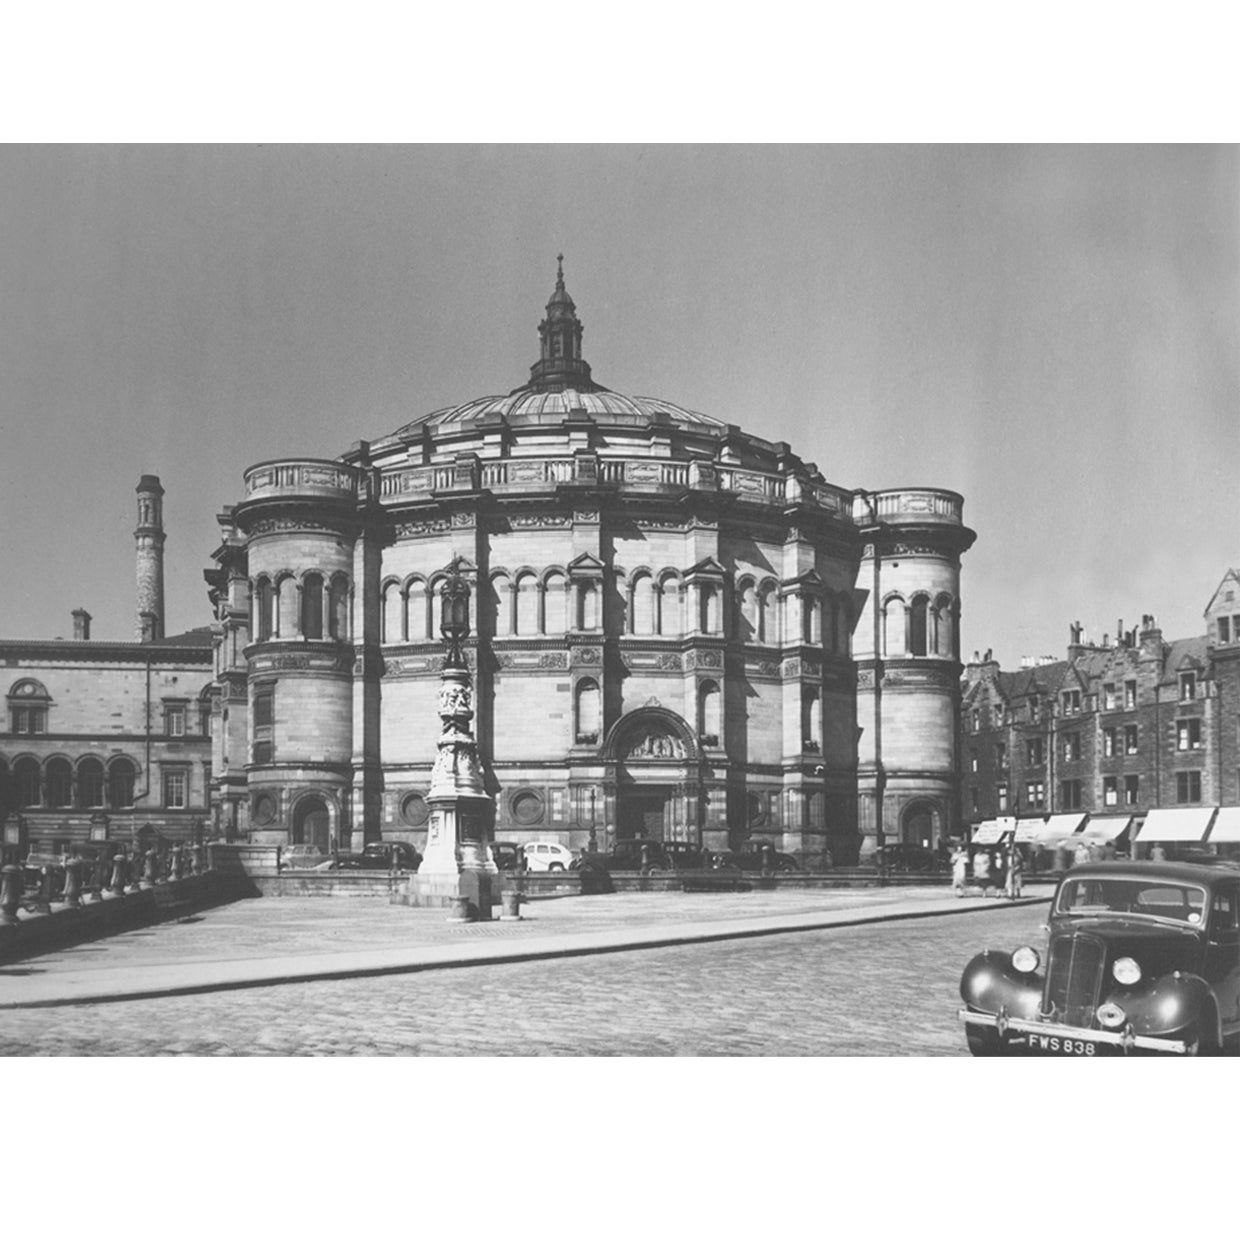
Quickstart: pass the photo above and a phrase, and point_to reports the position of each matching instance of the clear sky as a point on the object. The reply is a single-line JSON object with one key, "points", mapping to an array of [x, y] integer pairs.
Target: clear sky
{"points": [[1051, 331]]}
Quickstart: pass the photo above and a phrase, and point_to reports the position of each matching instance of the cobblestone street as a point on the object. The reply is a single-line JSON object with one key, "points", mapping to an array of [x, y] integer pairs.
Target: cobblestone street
{"points": [[878, 989]]}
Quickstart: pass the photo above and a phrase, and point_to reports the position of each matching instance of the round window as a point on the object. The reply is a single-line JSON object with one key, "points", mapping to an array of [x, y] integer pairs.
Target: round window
{"points": [[414, 810], [264, 809], [527, 807]]}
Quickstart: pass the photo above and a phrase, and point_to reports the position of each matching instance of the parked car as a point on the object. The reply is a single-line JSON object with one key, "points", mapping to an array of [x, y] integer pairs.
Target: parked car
{"points": [[756, 855], [682, 855], [391, 855], [546, 855], [1142, 956], [301, 857], [910, 859], [650, 856], [506, 854]]}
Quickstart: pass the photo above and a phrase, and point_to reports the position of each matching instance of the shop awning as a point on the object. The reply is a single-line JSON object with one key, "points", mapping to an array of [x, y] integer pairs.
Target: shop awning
{"points": [[1226, 829], [993, 830], [1187, 824], [1107, 828], [1027, 829], [1058, 827]]}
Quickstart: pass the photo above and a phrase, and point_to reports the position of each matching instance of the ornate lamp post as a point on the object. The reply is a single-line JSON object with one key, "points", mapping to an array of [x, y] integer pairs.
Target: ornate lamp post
{"points": [[458, 856]]}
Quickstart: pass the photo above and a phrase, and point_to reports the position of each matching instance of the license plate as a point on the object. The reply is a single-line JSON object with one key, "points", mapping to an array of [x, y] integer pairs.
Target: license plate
{"points": [[1053, 1044]]}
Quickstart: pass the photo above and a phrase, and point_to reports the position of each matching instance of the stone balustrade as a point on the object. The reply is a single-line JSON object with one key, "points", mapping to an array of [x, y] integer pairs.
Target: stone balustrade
{"points": [[304, 478], [909, 506]]}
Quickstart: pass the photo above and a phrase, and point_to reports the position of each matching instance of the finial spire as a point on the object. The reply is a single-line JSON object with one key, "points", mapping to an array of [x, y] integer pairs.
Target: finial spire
{"points": [[559, 274]]}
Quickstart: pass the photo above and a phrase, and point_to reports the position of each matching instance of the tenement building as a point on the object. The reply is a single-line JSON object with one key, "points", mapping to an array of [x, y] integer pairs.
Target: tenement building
{"points": [[678, 630], [104, 739], [1118, 726]]}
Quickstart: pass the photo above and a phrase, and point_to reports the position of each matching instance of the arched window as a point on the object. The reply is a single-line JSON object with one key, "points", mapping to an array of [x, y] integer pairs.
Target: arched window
{"points": [[708, 713], [918, 625], [27, 783], [811, 720], [393, 614], [555, 618], [587, 606], [768, 616], [943, 641], [811, 622], [589, 716], [90, 784], [59, 779], [121, 779], [417, 613], [671, 609], [338, 608], [503, 606], [287, 610], [830, 624], [527, 605], [710, 607], [747, 621], [894, 626], [643, 613], [264, 610], [312, 607]]}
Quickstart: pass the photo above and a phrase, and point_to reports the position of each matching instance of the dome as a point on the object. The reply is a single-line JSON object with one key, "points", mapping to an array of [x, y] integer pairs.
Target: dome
{"points": [[560, 385], [531, 408]]}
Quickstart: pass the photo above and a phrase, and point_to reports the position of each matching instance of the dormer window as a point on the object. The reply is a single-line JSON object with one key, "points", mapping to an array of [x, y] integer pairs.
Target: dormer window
{"points": [[1188, 686], [1072, 702]]}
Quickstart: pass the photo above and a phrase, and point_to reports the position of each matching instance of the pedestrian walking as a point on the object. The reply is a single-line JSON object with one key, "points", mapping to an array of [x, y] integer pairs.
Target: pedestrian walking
{"points": [[1081, 856], [1158, 853], [981, 870], [960, 870], [999, 870], [1016, 865]]}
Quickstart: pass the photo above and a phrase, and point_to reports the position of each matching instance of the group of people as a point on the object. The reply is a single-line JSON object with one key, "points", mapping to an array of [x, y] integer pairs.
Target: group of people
{"points": [[999, 869]]}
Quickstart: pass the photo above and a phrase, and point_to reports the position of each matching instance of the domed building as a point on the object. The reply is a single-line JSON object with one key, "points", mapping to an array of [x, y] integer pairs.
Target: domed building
{"points": [[679, 630]]}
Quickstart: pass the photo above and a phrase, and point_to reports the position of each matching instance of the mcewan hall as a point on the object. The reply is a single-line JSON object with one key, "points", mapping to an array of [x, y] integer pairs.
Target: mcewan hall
{"points": [[678, 630]]}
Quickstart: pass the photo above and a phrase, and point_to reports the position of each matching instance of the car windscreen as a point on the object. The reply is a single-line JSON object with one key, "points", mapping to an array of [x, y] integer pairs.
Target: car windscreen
{"points": [[1132, 897]]}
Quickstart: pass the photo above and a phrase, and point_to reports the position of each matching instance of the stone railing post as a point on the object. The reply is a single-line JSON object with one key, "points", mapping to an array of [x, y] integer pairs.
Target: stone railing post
{"points": [[98, 879], [178, 863], [73, 882], [120, 873], [150, 875], [10, 894]]}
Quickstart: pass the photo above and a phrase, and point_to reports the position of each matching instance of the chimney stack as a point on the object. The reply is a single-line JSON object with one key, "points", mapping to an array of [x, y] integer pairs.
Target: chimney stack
{"points": [[149, 537], [81, 625]]}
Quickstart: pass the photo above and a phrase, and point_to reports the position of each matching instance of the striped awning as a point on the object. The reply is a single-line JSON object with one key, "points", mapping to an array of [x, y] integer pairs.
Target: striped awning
{"points": [[1107, 828], [1226, 829], [1185, 825]]}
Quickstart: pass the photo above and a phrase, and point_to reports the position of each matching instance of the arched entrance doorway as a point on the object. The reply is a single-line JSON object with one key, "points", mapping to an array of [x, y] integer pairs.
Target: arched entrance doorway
{"points": [[652, 756], [920, 824], [312, 823]]}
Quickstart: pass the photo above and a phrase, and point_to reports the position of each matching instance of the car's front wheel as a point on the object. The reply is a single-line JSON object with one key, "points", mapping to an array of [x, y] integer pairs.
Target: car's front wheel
{"points": [[1208, 1041], [555, 865]]}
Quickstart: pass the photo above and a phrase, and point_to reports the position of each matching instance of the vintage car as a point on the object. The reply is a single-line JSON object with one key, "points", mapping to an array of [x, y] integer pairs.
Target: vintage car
{"points": [[757, 855], [1142, 956]]}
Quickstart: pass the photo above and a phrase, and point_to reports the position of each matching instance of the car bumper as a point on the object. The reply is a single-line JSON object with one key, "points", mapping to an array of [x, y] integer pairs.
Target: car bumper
{"points": [[1036, 1035]]}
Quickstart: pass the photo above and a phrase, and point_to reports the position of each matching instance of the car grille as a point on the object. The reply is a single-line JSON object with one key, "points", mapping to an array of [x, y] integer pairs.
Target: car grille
{"points": [[1073, 979]]}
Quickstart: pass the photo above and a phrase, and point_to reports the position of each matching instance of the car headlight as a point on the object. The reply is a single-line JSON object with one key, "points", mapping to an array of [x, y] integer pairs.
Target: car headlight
{"points": [[1111, 1015], [1126, 971], [1025, 960]]}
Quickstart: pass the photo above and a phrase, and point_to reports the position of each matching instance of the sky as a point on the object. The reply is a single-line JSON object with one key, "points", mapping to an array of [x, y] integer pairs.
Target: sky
{"points": [[1052, 331]]}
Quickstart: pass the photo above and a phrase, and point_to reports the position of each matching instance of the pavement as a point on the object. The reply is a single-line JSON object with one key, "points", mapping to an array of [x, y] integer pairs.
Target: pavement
{"points": [[259, 943]]}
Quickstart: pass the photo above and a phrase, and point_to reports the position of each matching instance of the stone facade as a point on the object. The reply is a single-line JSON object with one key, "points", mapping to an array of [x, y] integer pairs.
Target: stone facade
{"points": [[1122, 727], [678, 630], [109, 740]]}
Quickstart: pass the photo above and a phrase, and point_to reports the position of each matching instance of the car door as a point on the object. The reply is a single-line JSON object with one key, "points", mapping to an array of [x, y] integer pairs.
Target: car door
{"points": [[1222, 964]]}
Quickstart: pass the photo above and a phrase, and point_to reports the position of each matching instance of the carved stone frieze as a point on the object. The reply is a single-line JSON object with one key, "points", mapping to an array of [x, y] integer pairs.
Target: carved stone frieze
{"points": [[539, 521], [281, 525], [587, 654], [586, 516], [651, 743], [419, 529], [464, 520]]}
